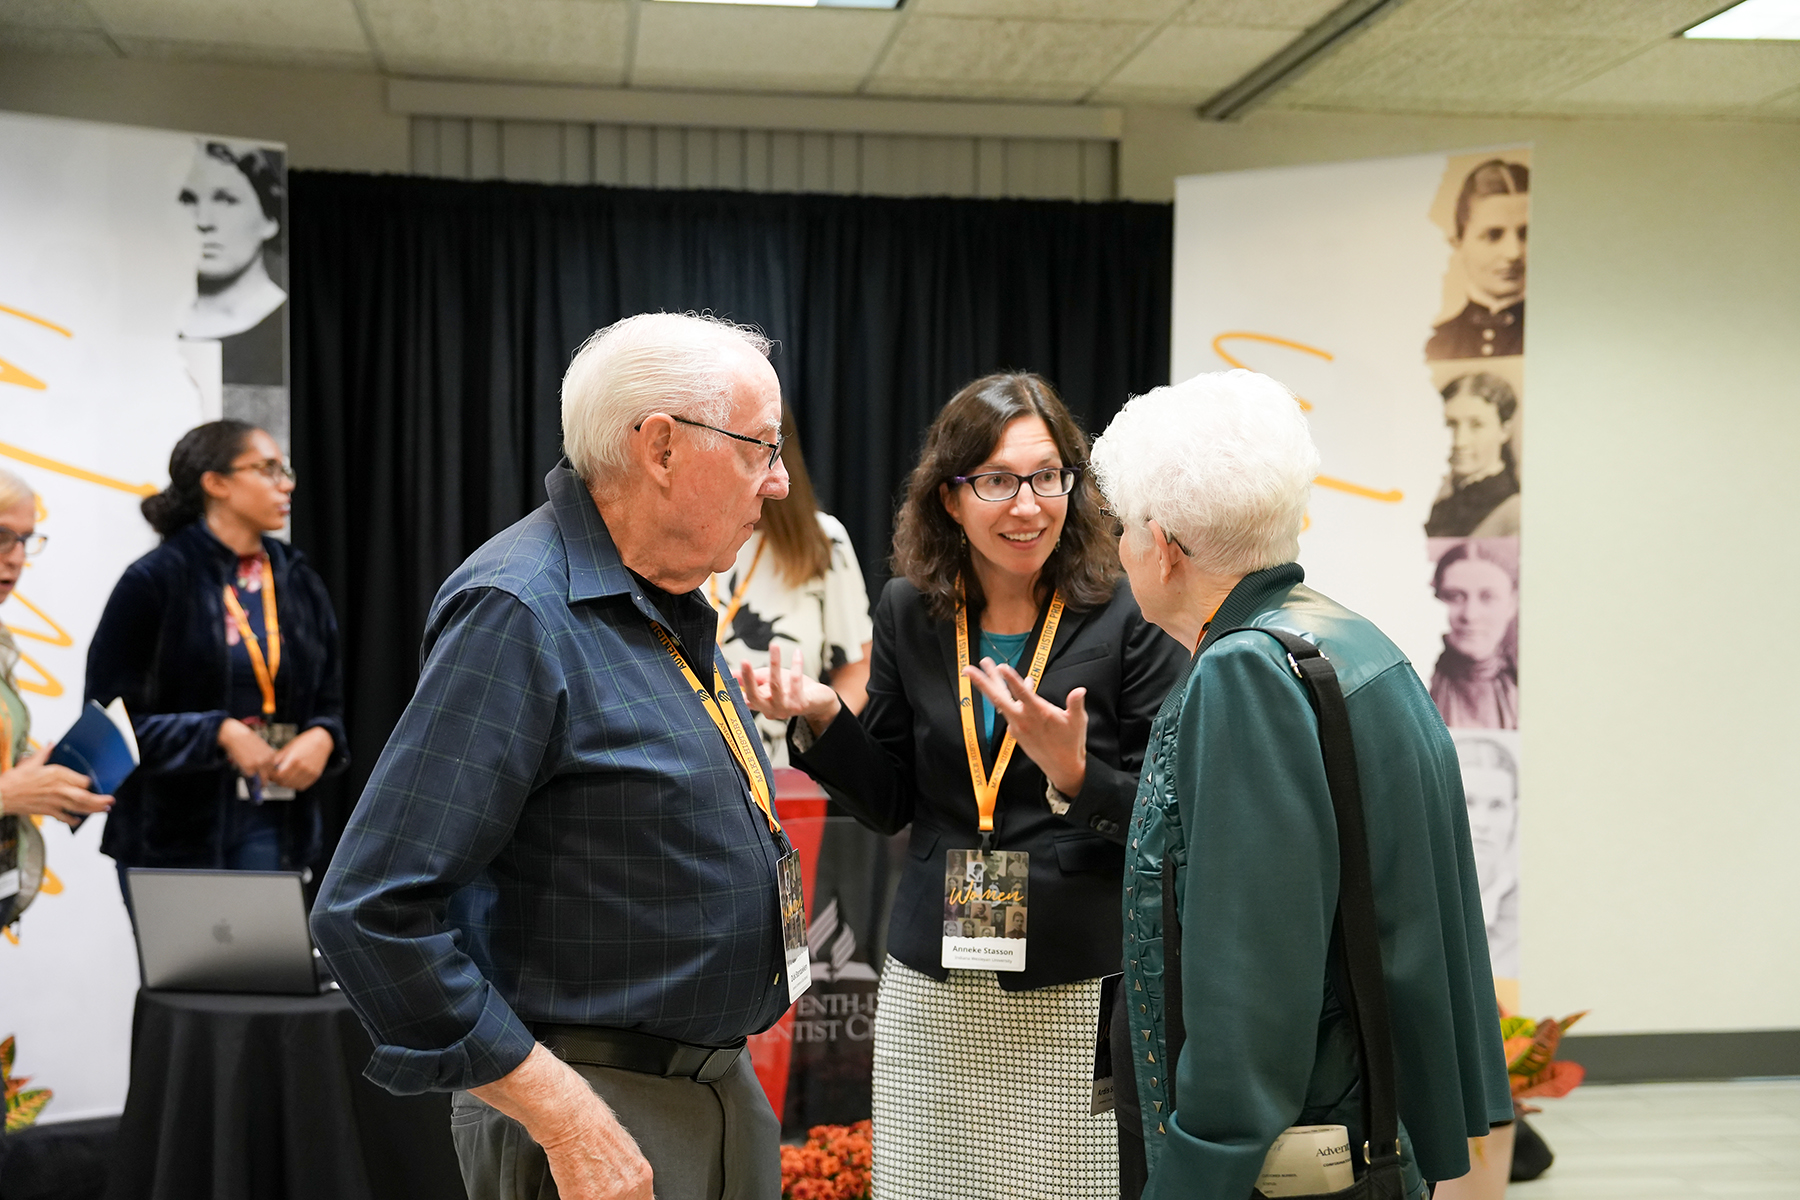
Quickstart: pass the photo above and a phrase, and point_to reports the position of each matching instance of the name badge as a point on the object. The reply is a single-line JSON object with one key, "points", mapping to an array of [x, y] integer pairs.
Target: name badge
{"points": [[278, 735], [985, 897], [793, 925], [9, 884]]}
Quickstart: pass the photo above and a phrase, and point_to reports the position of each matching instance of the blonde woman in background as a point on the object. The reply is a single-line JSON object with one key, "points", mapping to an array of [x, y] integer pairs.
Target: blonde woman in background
{"points": [[796, 584], [29, 786]]}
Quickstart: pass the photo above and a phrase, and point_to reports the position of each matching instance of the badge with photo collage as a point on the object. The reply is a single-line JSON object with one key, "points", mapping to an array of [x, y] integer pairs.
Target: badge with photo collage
{"points": [[793, 925], [986, 894]]}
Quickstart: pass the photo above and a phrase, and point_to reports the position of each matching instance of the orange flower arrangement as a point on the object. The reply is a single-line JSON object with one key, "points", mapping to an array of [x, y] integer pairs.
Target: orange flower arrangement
{"points": [[834, 1163]]}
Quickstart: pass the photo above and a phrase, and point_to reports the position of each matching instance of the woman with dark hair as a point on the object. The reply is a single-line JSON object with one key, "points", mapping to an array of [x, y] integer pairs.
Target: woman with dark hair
{"points": [[235, 197], [1004, 556], [1475, 684], [1480, 497], [1493, 215], [224, 646], [796, 583]]}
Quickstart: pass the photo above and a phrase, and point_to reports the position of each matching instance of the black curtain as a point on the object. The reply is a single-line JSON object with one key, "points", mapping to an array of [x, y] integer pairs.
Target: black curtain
{"points": [[432, 321]]}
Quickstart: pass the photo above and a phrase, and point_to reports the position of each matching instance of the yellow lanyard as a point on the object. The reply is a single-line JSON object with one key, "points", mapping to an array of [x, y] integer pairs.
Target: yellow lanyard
{"points": [[737, 597], [987, 791], [724, 715], [265, 672]]}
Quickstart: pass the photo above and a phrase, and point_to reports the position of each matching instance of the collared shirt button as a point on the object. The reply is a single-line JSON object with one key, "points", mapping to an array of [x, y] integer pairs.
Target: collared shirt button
{"points": [[1488, 334], [1487, 349]]}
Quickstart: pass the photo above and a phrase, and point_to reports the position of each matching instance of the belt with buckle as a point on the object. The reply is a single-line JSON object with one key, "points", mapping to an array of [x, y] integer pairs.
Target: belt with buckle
{"points": [[645, 1053]]}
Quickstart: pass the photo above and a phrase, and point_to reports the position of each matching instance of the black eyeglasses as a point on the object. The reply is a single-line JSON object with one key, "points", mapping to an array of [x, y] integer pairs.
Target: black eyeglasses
{"points": [[774, 446], [271, 469], [1004, 485], [33, 542]]}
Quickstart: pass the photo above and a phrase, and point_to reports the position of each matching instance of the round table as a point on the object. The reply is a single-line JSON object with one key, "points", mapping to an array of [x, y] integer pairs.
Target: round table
{"points": [[247, 1097]]}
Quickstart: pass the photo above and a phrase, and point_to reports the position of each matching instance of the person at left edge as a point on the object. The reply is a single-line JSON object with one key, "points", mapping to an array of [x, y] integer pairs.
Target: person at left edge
{"points": [[558, 896], [233, 727], [30, 786]]}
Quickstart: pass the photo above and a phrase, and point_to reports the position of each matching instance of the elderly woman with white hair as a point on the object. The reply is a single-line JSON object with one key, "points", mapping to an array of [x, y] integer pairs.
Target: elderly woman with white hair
{"points": [[1234, 843]]}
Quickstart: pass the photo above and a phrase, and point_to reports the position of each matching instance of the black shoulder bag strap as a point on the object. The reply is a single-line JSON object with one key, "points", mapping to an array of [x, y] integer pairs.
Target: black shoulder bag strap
{"points": [[1356, 929]]}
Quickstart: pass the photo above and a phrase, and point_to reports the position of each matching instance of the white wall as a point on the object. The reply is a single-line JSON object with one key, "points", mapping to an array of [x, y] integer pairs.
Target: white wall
{"points": [[1662, 566], [1664, 478]]}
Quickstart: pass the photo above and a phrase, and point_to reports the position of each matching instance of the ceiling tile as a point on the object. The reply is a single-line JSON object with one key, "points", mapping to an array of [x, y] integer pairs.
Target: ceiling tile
{"points": [[47, 14], [555, 41], [1471, 74], [1295, 15], [1050, 10], [1596, 18], [1188, 63], [328, 25], [786, 49], [37, 39], [1693, 74], [1414, 15], [1068, 57]]}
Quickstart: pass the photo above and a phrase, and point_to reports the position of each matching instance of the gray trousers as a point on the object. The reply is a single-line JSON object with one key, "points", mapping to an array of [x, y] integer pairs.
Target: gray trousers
{"points": [[705, 1141]]}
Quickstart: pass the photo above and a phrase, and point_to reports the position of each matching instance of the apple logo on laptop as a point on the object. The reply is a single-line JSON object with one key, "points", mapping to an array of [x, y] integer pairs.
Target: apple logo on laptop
{"points": [[222, 932]]}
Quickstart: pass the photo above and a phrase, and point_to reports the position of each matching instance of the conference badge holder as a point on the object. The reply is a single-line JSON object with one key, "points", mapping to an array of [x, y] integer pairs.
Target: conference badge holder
{"points": [[986, 899], [793, 925]]}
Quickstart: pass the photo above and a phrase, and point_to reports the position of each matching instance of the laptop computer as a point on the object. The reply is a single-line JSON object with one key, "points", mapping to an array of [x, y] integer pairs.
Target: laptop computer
{"points": [[223, 931]]}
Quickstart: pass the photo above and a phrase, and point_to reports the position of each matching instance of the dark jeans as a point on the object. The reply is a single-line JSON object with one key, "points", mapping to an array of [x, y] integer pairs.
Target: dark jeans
{"points": [[252, 842], [704, 1141]]}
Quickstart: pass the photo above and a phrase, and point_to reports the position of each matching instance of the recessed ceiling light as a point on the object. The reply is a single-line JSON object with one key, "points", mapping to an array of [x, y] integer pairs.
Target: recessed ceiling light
{"points": [[798, 3], [1752, 20]]}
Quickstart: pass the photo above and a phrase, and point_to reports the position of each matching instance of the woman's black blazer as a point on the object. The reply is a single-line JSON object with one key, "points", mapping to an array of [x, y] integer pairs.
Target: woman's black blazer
{"points": [[161, 646], [903, 763]]}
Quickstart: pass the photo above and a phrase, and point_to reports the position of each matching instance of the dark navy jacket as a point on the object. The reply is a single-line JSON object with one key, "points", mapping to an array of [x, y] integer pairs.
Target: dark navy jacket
{"points": [[161, 646]]}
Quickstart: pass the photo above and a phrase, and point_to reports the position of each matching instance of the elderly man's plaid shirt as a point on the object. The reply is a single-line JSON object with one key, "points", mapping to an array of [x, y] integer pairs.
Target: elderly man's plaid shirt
{"points": [[555, 831]]}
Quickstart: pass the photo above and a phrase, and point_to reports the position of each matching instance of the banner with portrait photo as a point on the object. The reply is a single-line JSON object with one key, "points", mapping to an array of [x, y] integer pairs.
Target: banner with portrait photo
{"points": [[1389, 295], [142, 292]]}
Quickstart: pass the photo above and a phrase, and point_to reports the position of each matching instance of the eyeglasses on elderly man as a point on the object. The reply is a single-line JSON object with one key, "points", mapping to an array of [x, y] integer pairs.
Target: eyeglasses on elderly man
{"points": [[773, 447]]}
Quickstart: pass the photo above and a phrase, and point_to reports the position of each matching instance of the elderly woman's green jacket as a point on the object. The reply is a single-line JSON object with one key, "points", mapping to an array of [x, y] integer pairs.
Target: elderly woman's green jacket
{"points": [[1234, 791]]}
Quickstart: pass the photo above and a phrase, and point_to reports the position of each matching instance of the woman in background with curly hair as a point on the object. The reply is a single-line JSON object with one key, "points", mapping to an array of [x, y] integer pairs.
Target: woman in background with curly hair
{"points": [[982, 1077], [224, 646]]}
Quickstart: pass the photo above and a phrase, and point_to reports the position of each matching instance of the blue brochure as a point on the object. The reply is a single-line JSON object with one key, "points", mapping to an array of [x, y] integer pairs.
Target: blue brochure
{"points": [[101, 746]]}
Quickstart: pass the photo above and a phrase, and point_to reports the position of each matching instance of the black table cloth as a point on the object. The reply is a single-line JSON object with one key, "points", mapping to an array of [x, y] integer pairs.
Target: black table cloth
{"points": [[238, 1097]]}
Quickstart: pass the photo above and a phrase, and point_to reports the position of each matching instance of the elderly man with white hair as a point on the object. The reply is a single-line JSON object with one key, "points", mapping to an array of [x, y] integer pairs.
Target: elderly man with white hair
{"points": [[1232, 872], [561, 896]]}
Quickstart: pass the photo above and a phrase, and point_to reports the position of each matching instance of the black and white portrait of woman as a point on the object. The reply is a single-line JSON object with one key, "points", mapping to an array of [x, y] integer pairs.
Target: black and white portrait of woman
{"points": [[1475, 683], [1480, 496], [1492, 215], [1490, 773], [235, 194]]}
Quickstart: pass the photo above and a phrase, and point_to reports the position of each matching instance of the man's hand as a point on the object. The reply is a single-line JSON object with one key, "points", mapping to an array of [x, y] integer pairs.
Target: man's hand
{"points": [[591, 1155], [299, 764], [1053, 738], [782, 694]]}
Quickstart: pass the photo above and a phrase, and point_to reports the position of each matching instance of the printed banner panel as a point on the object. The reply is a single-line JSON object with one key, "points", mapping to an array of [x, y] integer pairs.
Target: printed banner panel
{"points": [[1389, 295], [143, 290]]}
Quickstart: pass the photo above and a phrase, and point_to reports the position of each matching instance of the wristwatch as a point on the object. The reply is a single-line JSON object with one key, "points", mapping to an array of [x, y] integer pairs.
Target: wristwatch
{"points": [[1059, 803]]}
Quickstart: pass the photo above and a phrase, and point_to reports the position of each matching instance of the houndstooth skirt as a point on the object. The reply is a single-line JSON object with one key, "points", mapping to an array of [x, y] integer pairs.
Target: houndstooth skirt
{"points": [[983, 1094]]}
